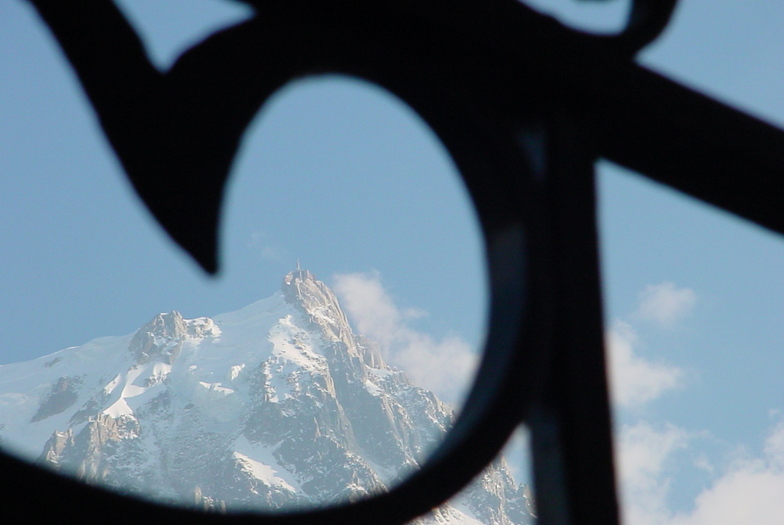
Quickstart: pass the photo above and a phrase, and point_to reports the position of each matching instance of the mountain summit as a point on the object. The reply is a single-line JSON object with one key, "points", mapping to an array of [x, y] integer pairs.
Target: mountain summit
{"points": [[276, 405]]}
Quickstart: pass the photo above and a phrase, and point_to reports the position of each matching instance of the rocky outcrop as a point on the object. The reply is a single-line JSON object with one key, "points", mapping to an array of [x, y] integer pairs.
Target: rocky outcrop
{"points": [[163, 336], [59, 399]]}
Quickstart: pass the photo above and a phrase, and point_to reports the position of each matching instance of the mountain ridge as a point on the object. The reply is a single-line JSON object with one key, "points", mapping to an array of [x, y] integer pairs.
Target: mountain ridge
{"points": [[275, 405]]}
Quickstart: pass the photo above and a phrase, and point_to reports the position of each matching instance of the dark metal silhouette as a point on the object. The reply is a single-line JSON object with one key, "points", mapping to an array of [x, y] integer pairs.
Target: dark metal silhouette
{"points": [[525, 106]]}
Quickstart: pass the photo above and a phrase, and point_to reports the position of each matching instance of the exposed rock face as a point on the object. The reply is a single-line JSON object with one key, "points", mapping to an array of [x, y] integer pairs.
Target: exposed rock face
{"points": [[163, 337], [59, 399], [276, 405]]}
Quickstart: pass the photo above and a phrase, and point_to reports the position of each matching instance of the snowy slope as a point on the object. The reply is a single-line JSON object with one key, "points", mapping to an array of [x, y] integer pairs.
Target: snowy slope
{"points": [[278, 404]]}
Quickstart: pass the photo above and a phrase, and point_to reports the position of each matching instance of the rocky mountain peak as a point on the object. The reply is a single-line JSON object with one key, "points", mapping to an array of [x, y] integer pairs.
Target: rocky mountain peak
{"points": [[162, 337], [301, 288], [319, 305], [276, 406]]}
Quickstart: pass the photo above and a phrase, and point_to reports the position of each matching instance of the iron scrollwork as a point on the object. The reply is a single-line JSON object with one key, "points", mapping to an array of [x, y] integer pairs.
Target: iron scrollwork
{"points": [[525, 106]]}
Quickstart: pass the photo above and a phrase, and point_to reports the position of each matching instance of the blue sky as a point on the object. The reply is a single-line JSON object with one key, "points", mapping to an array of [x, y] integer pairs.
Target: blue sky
{"points": [[694, 303], [334, 172], [344, 177]]}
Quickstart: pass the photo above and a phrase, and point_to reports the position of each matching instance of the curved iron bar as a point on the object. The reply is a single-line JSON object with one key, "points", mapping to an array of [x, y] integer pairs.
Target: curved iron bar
{"points": [[524, 105], [210, 95], [647, 20]]}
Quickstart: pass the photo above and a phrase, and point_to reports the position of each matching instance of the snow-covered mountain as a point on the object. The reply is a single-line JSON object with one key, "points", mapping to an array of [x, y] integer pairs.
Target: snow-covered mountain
{"points": [[276, 405]]}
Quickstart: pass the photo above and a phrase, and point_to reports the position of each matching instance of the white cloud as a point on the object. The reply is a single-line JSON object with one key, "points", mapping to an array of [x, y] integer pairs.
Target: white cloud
{"points": [[643, 450], [774, 448], [642, 454], [748, 492], [751, 491], [748, 496], [665, 304], [446, 366], [633, 379]]}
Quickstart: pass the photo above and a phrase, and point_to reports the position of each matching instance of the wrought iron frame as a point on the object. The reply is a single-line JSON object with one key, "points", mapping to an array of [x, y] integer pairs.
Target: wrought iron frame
{"points": [[525, 106]]}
